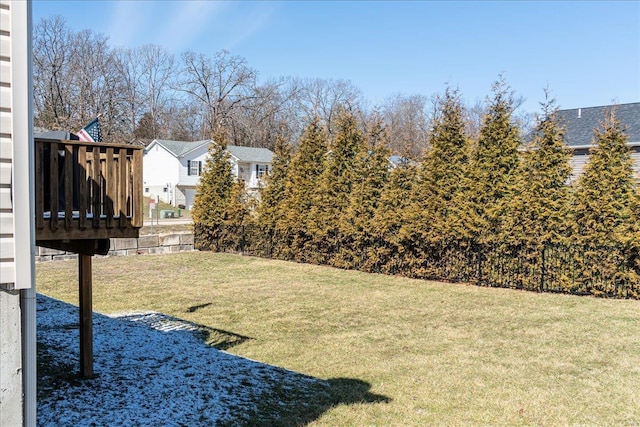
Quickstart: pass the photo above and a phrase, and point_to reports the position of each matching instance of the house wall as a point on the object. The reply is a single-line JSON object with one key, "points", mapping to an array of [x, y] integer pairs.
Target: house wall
{"points": [[189, 196], [577, 161], [580, 158], [180, 197], [159, 192], [7, 259], [238, 169], [247, 172], [635, 155], [184, 179], [17, 296], [159, 172], [256, 180], [186, 190]]}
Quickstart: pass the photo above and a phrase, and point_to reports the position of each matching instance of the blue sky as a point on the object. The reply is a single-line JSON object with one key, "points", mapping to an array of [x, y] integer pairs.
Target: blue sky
{"points": [[586, 52]]}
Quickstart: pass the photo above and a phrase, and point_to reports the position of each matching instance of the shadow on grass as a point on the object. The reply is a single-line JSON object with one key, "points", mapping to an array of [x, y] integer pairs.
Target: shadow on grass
{"points": [[194, 308], [218, 338], [153, 369], [286, 407]]}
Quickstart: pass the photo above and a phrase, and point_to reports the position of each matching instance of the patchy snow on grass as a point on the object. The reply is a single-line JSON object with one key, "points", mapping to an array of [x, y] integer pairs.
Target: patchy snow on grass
{"points": [[150, 370]]}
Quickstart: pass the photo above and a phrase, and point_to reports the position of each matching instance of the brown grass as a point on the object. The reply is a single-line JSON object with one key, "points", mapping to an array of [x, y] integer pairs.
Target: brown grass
{"points": [[446, 354]]}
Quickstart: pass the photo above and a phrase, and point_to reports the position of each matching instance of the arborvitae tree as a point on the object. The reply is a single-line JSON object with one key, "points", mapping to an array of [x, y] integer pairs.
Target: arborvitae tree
{"points": [[493, 166], [389, 222], [633, 250], [539, 214], [270, 211], [214, 193], [334, 187], [435, 217], [443, 172], [236, 216], [605, 198], [635, 242], [300, 186], [605, 209], [371, 171]]}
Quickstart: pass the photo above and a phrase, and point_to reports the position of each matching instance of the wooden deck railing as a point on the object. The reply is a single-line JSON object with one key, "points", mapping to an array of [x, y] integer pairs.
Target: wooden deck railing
{"points": [[87, 190]]}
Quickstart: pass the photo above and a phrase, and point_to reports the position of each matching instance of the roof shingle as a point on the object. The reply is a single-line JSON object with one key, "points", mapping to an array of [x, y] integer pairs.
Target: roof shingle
{"points": [[581, 122], [243, 154], [251, 154], [180, 148]]}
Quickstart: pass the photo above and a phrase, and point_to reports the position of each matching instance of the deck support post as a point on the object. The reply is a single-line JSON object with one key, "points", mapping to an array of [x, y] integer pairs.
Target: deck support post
{"points": [[86, 315]]}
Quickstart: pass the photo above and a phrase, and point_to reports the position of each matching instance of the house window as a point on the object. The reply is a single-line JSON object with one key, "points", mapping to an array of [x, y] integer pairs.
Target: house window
{"points": [[194, 167], [261, 170], [146, 189]]}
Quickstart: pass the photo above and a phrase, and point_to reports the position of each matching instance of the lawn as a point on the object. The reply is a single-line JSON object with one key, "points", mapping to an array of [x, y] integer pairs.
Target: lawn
{"points": [[399, 351]]}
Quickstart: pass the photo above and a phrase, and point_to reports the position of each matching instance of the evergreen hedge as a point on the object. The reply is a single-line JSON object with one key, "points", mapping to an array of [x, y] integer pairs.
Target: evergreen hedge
{"points": [[338, 202]]}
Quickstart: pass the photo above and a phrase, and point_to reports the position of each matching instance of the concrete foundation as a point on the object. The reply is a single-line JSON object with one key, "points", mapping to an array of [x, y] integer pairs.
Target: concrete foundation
{"points": [[10, 359]]}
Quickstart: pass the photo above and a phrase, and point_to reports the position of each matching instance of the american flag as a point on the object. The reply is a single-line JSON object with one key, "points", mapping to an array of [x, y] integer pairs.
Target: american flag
{"points": [[91, 132]]}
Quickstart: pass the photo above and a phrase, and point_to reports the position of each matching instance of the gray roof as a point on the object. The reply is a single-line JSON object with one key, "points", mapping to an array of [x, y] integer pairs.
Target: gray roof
{"points": [[243, 154], [251, 154], [56, 134], [581, 122], [180, 148]]}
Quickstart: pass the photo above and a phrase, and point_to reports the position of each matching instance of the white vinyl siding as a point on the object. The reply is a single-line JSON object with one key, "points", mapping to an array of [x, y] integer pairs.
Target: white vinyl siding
{"points": [[7, 228], [18, 378], [192, 162], [635, 155], [578, 161], [160, 173], [190, 195], [580, 158]]}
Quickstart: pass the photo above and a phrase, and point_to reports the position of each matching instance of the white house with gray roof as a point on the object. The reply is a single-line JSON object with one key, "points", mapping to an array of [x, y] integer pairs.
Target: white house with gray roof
{"points": [[580, 124], [172, 169]]}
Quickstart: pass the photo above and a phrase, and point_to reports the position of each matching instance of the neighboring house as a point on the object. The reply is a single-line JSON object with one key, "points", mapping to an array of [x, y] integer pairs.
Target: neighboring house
{"points": [[396, 161], [172, 169], [17, 229], [140, 141], [55, 134], [580, 124], [250, 164]]}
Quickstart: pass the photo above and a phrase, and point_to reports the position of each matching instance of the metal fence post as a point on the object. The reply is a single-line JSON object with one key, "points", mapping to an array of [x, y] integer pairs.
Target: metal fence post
{"points": [[542, 268]]}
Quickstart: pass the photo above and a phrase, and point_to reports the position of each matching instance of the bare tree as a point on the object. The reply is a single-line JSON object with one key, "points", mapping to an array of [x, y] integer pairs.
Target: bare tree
{"points": [[324, 99], [52, 57], [475, 114], [407, 123], [134, 99], [220, 84], [182, 120], [156, 74], [76, 78], [266, 114]]}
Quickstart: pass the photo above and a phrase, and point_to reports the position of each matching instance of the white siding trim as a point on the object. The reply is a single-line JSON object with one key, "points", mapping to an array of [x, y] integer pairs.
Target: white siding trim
{"points": [[22, 136], [7, 250]]}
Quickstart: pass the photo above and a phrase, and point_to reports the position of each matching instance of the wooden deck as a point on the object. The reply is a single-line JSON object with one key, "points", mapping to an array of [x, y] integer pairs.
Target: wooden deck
{"points": [[86, 193], [86, 190]]}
